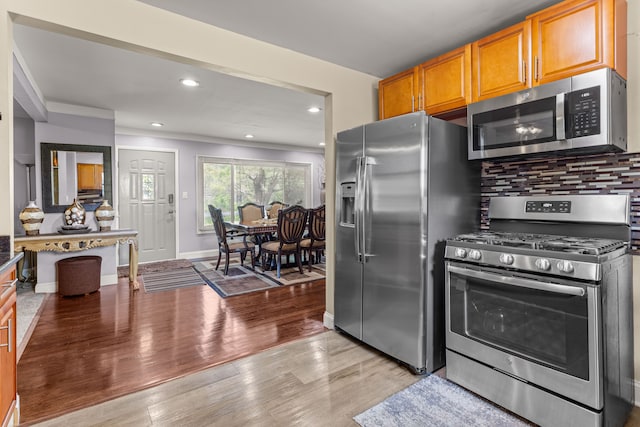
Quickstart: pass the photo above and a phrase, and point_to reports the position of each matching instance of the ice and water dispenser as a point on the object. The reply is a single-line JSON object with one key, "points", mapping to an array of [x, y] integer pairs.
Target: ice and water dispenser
{"points": [[347, 207]]}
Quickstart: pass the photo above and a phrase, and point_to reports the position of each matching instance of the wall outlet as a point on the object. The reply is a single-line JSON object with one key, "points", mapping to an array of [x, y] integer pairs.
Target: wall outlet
{"points": [[185, 195]]}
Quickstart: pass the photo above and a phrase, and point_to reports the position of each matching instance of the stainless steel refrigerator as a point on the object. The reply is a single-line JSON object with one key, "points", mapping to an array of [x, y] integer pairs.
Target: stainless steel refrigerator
{"points": [[404, 185]]}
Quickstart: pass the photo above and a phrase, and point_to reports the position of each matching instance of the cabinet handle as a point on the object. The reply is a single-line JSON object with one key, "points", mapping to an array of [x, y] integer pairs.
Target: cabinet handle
{"points": [[413, 103], [9, 343], [535, 67], [524, 72]]}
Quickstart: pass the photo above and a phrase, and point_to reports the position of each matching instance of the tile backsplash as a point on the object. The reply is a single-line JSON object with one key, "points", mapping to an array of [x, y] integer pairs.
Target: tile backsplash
{"points": [[596, 174]]}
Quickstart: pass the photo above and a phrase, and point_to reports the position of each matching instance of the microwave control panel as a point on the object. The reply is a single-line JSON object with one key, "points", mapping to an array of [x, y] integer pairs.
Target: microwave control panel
{"points": [[583, 112]]}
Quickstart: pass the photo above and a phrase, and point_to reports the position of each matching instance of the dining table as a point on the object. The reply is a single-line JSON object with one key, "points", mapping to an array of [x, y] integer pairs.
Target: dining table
{"points": [[261, 229]]}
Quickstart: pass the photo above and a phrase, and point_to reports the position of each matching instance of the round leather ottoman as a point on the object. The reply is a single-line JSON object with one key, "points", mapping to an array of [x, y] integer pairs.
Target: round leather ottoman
{"points": [[79, 275]]}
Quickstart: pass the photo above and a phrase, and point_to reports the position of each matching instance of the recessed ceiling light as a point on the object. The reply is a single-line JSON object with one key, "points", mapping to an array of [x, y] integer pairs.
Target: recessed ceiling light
{"points": [[157, 124], [249, 136], [313, 109], [189, 82], [321, 144]]}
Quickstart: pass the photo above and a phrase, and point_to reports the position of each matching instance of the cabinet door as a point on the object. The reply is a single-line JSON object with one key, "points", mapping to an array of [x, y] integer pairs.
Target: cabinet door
{"points": [[501, 62], [8, 346], [572, 37], [89, 176], [397, 94], [446, 81]]}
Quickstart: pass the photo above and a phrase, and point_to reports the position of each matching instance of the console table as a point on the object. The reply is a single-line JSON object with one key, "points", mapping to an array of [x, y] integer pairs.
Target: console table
{"points": [[57, 242]]}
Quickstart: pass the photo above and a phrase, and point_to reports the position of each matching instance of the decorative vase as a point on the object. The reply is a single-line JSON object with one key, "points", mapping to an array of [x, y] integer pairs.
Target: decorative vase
{"points": [[31, 218], [74, 214], [104, 215]]}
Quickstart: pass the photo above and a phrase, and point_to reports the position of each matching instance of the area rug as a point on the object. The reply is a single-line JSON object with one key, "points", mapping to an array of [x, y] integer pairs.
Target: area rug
{"points": [[152, 267], [242, 280], [171, 279], [434, 401]]}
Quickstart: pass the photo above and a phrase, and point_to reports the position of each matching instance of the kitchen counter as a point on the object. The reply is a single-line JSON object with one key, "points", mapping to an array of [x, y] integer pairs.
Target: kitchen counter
{"points": [[7, 261]]}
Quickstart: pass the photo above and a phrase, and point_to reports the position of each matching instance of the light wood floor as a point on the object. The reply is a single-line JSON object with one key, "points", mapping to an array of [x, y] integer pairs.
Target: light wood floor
{"points": [[89, 349], [320, 380], [323, 380]]}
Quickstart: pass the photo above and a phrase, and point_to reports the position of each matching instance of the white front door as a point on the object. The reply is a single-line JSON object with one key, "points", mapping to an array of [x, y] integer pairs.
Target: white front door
{"points": [[147, 202]]}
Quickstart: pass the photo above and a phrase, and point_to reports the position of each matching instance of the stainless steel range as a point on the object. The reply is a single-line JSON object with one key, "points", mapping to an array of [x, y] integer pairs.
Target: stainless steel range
{"points": [[539, 309]]}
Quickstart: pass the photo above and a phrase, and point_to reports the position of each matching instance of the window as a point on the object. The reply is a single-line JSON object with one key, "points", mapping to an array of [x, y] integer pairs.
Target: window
{"points": [[228, 183]]}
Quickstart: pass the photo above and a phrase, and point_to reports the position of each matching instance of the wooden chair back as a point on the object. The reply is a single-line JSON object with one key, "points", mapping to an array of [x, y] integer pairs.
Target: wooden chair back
{"points": [[292, 222], [317, 224], [250, 212], [218, 224], [274, 207]]}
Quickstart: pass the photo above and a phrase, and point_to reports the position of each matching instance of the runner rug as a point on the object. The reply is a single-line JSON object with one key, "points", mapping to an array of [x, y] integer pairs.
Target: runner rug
{"points": [[171, 279], [153, 267], [435, 401], [242, 280]]}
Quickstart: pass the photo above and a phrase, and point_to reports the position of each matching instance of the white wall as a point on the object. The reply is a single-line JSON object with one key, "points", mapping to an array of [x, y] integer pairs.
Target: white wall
{"points": [[350, 95], [24, 148], [190, 243]]}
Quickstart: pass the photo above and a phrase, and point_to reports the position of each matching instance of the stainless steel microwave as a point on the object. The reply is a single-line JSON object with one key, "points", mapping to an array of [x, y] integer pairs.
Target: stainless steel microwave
{"points": [[582, 114]]}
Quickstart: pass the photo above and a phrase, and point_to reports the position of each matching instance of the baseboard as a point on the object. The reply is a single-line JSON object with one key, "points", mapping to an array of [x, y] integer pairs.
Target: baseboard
{"points": [[327, 320], [636, 390], [52, 287], [198, 254]]}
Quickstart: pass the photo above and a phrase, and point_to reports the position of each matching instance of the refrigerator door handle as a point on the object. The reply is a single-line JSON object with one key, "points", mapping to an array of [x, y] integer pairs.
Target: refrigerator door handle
{"points": [[365, 205], [358, 209]]}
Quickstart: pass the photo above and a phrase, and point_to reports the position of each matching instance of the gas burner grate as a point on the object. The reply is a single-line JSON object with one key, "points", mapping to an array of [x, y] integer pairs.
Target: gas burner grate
{"points": [[566, 244], [586, 246]]}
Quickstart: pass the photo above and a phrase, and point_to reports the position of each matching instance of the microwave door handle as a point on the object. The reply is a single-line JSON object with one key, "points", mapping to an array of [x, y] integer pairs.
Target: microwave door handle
{"points": [[560, 117], [519, 281]]}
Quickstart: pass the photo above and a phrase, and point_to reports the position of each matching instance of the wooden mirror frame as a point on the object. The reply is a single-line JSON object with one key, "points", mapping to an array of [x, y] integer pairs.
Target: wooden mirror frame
{"points": [[45, 166]]}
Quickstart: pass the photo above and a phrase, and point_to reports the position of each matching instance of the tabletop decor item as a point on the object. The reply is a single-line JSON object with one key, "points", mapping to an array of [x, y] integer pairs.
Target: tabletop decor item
{"points": [[31, 218], [74, 214], [104, 215]]}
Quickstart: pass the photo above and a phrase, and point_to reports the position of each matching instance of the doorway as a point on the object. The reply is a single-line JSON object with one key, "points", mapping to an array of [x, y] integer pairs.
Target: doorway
{"points": [[147, 202]]}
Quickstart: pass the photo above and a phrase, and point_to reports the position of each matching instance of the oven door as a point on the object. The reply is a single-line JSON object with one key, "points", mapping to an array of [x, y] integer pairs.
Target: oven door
{"points": [[543, 331]]}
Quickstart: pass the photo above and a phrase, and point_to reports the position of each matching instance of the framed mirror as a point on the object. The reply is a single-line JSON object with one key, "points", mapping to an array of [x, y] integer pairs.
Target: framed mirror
{"points": [[71, 171]]}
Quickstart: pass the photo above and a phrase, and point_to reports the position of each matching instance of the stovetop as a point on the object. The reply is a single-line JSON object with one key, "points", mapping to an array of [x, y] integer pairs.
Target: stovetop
{"points": [[546, 242]]}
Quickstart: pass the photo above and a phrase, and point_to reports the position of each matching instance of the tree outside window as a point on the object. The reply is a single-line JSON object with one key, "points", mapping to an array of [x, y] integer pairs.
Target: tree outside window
{"points": [[228, 183]]}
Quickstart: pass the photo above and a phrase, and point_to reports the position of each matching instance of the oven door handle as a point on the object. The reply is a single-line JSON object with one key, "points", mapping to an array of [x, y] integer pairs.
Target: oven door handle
{"points": [[519, 281]]}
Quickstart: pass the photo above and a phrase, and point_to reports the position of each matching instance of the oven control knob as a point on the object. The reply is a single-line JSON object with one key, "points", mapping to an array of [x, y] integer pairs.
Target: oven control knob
{"points": [[565, 266], [475, 254], [506, 259], [543, 264], [461, 253]]}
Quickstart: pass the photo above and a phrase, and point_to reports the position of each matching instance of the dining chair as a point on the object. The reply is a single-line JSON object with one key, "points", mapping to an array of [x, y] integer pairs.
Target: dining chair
{"points": [[250, 212], [292, 222], [225, 247], [315, 241], [274, 207]]}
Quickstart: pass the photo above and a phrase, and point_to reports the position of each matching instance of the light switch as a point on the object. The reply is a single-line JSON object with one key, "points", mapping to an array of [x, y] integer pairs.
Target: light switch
{"points": [[185, 195]]}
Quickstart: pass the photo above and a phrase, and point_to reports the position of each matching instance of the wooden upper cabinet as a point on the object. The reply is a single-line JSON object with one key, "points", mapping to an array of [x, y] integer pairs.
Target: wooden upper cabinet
{"points": [[398, 94], [501, 62], [577, 36], [445, 81], [89, 176]]}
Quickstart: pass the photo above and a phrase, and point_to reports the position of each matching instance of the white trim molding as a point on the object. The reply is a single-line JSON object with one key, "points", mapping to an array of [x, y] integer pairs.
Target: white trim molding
{"points": [[327, 320]]}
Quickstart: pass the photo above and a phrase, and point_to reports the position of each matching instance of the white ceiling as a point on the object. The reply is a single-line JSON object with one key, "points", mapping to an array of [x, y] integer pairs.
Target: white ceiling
{"points": [[376, 37]]}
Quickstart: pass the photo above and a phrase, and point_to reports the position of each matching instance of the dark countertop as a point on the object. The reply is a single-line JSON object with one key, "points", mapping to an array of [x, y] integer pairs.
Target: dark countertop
{"points": [[7, 261]]}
